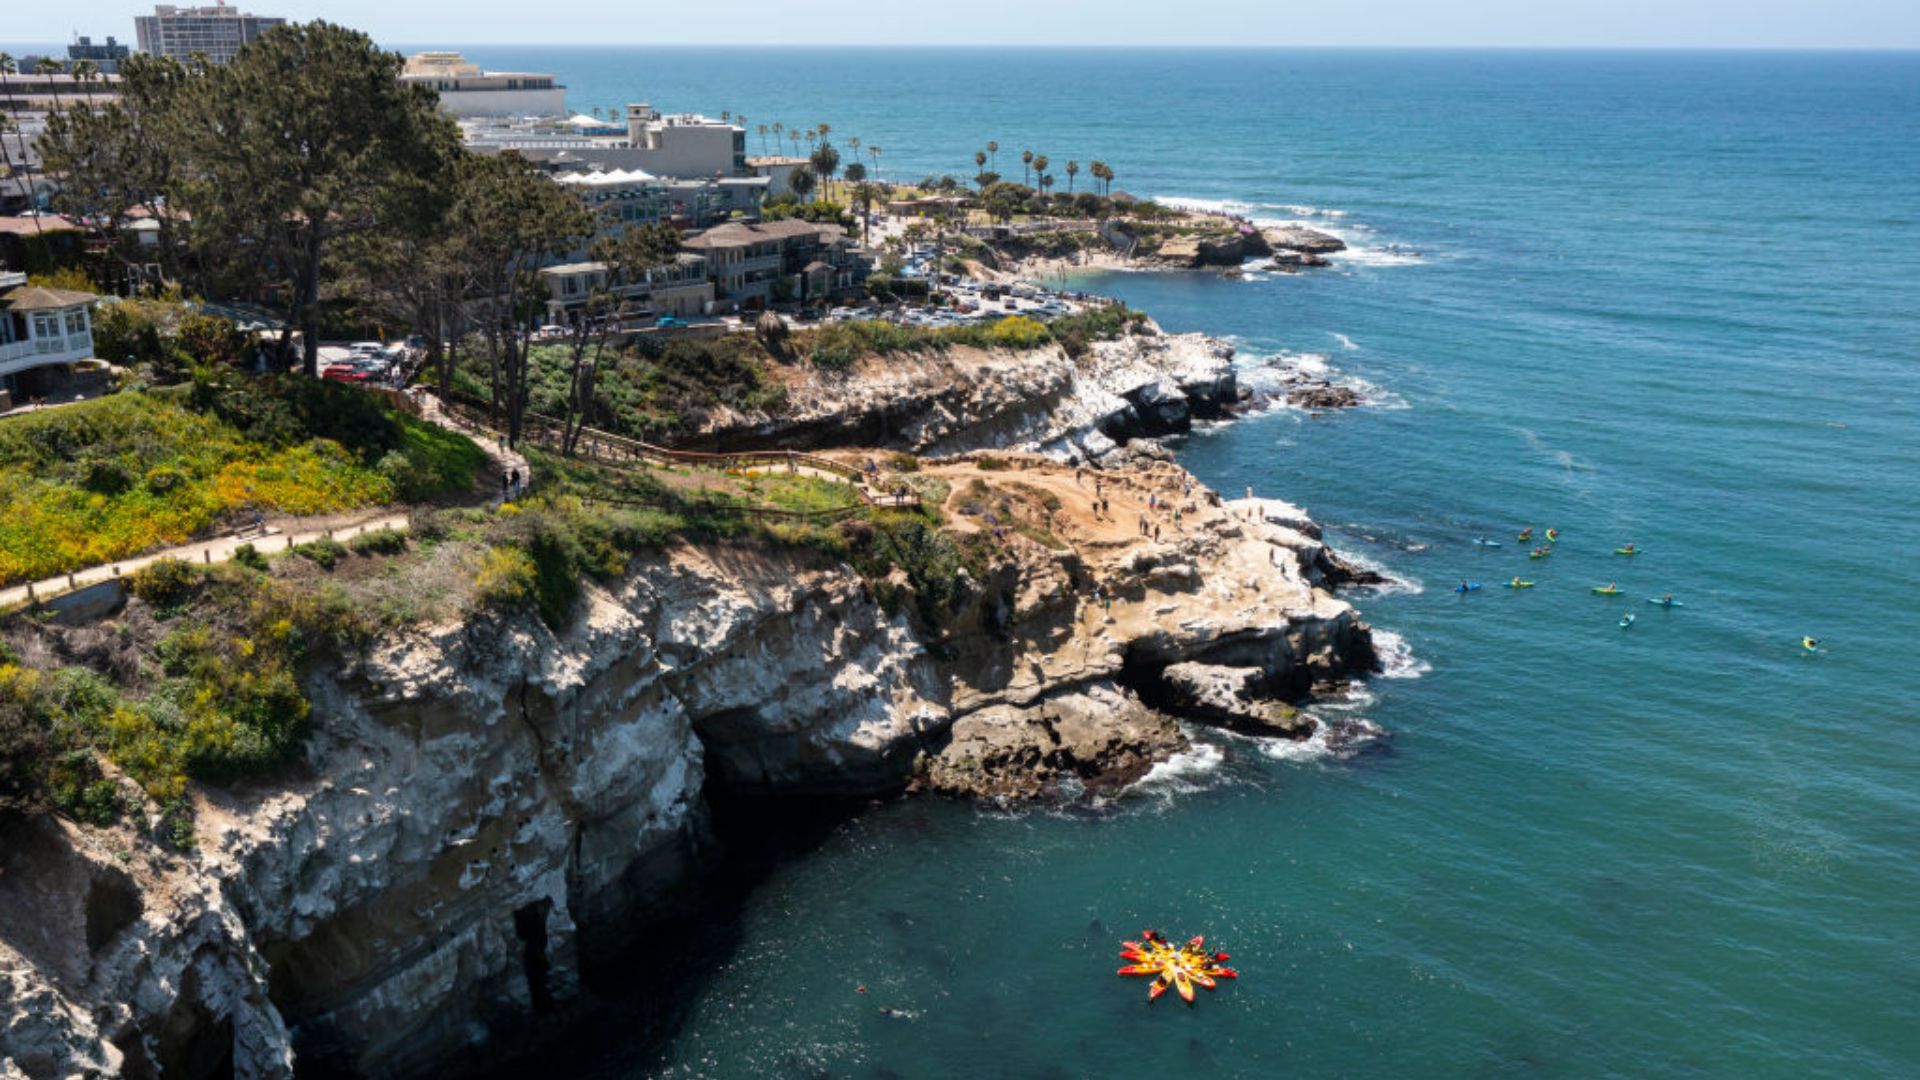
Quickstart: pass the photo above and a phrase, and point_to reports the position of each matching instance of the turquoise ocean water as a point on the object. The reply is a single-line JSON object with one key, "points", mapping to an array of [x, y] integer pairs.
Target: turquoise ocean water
{"points": [[1668, 298]]}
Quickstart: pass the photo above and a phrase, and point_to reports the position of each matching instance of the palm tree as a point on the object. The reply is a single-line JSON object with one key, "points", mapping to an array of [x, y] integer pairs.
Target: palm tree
{"points": [[800, 180], [826, 162], [824, 130], [795, 136], [994, 149], [1026, 162], [1073, 170], [762, 129], [726, 116], [979, 161], [874, 153], [778, 130], [1039, 166], [813, 136], [853, 144], [1046, 182]]}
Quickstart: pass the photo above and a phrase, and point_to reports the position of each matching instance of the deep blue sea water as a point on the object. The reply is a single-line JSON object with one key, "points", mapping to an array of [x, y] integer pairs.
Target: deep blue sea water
{"points": [[1667, 298]]}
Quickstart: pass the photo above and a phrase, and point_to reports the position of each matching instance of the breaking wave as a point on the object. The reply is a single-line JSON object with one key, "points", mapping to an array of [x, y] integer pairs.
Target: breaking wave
{"points": [[1397, 660]]}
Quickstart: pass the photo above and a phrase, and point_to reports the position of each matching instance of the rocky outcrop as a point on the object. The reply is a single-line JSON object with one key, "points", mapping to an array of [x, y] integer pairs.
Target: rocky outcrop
{"points": [[1237, 697], [1301, 239], [1145, 384], [1096, 739]]}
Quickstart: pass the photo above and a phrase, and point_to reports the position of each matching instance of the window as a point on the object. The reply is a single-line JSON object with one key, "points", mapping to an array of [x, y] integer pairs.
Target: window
{"points": [[76, 323], [46, 326]]}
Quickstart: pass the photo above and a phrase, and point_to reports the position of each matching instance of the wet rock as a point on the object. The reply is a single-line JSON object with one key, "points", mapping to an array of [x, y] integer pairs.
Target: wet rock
{"points": [[1236, 697], [1322, 395], [1301, 239], [1095, 739]]}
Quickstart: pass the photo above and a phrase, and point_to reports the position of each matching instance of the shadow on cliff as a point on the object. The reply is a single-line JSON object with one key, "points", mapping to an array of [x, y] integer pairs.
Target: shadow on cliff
{"points": [[635, 999]]}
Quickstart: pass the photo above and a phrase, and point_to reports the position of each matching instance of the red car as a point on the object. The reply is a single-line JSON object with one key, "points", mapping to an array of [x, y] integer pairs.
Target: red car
{"points": [[345, 374]]}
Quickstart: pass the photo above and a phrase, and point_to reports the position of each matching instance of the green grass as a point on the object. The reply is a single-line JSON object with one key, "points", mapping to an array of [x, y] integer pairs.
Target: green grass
{"points": [[104, 480]]}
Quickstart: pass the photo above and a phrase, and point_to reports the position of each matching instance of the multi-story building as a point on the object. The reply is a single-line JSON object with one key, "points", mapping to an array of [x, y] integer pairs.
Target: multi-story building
{"points": [[681, 288], [216, 32], [620, 198], [466, 91], [625, 197], [44, 333], [107, 56], [749, 262], [687, 146], [778, 170]]}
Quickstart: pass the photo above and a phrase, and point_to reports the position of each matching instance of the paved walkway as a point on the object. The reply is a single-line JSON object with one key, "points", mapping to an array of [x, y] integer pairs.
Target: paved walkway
{"points": [[288, 532], [217, 550]]}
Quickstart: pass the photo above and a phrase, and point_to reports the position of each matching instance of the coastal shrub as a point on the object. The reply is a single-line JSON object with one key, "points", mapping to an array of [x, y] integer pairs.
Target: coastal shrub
{"points": [[835, 355], [107, 479], [990, 463], [505, 579], [1018, 332], [379, 542], [250, 557], [323, 552], [165, 583]]}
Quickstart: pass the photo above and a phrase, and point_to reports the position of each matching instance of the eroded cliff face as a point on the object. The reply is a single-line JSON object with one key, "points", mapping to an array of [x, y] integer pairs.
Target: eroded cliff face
{"points": [[1146, 383], [487, 806]]}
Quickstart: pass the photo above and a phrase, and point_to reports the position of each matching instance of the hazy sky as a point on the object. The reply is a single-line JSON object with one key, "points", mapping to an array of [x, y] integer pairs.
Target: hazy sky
{"points": [[1682, 23]]}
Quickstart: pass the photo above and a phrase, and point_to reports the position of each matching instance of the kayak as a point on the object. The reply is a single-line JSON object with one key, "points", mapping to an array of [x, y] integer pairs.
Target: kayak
{"points": [[1810, 644], [1466, 588], [1539, 553], [1516, 584], [1626, 551], [1525, 536], [1664, 603], [1483, 542], [1626, 621], [1552, 535], [1597, 591]]}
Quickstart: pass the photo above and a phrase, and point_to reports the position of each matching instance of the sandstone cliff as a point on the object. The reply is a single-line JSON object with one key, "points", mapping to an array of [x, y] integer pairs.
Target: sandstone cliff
{"points": [[1145, 384]]}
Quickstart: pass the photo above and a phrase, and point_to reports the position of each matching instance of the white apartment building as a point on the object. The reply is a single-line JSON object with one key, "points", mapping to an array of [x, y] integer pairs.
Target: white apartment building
{"points": [[217, 31]]}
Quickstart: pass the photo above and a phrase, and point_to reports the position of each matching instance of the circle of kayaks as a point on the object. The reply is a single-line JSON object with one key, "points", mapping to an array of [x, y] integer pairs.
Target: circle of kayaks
{"points": [[1180, 967]]}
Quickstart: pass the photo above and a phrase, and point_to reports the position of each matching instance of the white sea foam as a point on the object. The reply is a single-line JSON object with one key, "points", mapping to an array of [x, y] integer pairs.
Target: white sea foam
{"points": [[1397, 660], [1345, 341], [1394, 584], [1194, 769], [1278, 215]]}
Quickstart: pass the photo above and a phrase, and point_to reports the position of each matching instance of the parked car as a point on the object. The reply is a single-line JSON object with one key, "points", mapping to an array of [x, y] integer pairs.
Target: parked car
{"points": [[666, 321], [341, 373]]}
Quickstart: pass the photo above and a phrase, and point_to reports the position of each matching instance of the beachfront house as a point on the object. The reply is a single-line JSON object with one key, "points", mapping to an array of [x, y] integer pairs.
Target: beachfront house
{"points": [[46, 340], [755, 265]]}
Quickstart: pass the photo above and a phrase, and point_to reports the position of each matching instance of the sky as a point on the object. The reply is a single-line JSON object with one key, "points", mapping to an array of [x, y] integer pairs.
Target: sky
{"points": [[1588, 23]]}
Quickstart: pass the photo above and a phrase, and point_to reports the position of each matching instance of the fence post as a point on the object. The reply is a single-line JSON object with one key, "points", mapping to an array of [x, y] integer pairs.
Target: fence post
{"points": [[206, 556], [30, 597]]}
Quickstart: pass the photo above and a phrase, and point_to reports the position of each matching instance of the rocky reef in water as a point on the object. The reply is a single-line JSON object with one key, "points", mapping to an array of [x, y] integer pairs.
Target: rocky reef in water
{"points": [[485, 807]]}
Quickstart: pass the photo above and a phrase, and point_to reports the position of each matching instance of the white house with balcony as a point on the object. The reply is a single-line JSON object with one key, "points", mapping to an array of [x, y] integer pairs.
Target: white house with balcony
{"points": [[44, 334]]}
